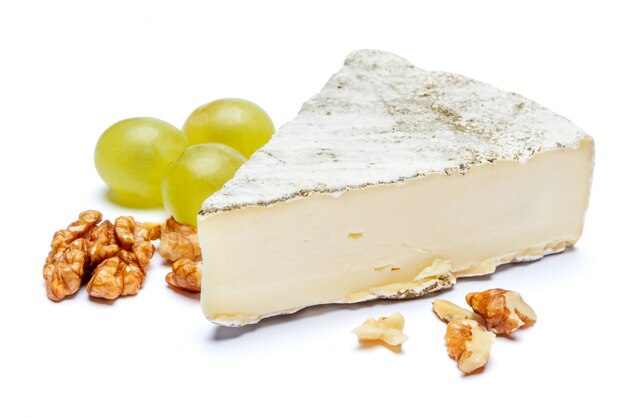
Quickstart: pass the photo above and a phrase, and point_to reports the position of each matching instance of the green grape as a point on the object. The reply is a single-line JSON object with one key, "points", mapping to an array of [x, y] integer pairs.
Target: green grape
{"points": [[195, 175], [238, 123], [131, 157]]}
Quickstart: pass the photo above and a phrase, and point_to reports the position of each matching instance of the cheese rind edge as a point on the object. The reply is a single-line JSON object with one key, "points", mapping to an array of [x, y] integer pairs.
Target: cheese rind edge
{"points": [[381, 120]]}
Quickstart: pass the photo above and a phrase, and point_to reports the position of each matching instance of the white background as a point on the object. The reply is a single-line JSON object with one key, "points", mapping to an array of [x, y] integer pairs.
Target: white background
{"points": [[68, 69]]}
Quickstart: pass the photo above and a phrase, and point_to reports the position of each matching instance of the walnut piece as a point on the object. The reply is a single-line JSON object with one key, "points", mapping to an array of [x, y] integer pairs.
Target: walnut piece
{"points": [[135, 237], [65, 264], [116, 276], [178, 241], [129, 231], [504, 311], [186, 274], [64, 238], [144, 252], [448, 311], [102, 243], [468, 344], [148, 231], [387, 329], [68, 271]]}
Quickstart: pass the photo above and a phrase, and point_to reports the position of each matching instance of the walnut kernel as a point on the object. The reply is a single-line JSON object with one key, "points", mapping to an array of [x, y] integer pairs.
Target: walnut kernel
{"points": [[504, 311], [129, 231], [144, 252], [102, 243], [135, 237], [65, 264], [116, 276], [64, 238], [448, 311], [468, 344], [178, 241], [67, 271], [387, 329], [106, 280], [186, 274]]}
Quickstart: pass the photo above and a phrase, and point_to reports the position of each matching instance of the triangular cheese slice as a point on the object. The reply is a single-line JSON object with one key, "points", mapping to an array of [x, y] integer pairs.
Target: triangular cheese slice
{"points": [[387, 174]]}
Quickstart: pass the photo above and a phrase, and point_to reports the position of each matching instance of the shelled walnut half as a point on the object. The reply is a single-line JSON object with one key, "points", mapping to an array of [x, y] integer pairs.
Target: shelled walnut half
{"points": [[117, 276], [186, 274], [468, 344], [448, 311], [504, 311], [68, 271], [179, 244], [178, 241], [65, 264], [135, 237], [102, 243]]}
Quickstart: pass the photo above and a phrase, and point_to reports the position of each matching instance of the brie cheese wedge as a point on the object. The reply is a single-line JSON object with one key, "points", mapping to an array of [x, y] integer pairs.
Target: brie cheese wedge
{"points": [[391, 183]]}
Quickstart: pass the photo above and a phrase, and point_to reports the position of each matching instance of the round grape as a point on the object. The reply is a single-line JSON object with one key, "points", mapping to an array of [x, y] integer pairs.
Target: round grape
{"points": [[131, 157], [238, 123], [195, 175]]}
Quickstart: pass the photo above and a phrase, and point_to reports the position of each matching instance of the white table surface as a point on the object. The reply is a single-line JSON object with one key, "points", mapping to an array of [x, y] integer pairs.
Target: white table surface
{"points": [[71, 68]]}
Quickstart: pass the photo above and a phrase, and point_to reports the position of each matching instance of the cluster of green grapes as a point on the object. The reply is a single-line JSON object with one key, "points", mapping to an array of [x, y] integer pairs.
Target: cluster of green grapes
{"points": [[147, 162]]}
